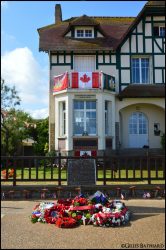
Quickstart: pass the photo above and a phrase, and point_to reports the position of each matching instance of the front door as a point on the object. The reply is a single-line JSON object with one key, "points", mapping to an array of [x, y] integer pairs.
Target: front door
{"points": [[138, 130]]}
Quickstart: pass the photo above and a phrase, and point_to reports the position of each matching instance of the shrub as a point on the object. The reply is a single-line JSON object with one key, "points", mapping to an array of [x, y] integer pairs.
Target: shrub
{"points": [[163, 140]]}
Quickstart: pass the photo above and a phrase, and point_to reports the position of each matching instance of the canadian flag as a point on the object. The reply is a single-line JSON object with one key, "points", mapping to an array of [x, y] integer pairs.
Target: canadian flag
{"points": [[86, 80]]}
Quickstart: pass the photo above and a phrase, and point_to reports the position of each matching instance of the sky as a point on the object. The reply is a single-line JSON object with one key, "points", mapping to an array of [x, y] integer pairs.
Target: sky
{"points": [[22, 64]]}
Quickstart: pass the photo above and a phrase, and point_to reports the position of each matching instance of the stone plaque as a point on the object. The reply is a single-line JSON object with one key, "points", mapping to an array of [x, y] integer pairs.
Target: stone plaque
{"points": [[81, 172]]}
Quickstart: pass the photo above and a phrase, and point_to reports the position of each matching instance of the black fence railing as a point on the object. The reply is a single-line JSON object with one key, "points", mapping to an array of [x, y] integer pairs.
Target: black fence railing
{"points": [[114, 168]]}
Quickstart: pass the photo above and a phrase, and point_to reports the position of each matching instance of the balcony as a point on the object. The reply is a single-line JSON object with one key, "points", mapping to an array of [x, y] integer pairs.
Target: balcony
{"points": [[84, 81]]}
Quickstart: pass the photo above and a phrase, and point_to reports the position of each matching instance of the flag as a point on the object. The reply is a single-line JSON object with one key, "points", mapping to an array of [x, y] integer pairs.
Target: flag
{"points": [[86, 80], [109, 82], [60, 82]]}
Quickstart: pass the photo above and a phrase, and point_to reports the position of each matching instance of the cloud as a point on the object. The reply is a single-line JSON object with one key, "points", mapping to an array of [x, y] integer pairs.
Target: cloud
{"points": [[7, 37], [20, 68], [38, 113], [4, 4]]}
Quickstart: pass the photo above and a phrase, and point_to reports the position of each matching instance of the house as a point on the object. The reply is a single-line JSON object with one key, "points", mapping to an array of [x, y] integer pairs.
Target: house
{"points": [[107, 80]]}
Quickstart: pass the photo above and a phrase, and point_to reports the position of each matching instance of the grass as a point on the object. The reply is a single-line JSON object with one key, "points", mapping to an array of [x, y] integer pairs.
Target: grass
{"points": [[119, 174]]}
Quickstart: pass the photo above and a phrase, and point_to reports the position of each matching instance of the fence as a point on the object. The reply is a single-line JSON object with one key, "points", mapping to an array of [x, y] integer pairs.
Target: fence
{"points": [[108, 169]]}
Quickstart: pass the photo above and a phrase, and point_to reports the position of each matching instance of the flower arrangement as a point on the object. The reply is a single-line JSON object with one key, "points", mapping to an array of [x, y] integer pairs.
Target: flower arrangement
{"points": [[99, 197], [67, 213], [10, 173], [79, 201], [146, 195]]}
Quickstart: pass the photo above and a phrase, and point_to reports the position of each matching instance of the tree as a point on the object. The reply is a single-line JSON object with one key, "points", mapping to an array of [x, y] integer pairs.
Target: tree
{"points": [[15, 124], [9, 100], [41, 136], [162, 140], [9, 97]]}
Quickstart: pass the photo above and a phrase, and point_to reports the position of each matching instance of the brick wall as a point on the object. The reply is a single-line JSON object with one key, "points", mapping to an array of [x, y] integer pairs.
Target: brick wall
{"points": [[52, 137]]}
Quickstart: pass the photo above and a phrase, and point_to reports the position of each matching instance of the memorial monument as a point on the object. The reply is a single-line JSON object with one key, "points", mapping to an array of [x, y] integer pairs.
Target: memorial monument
{"points": [[81, 172]]}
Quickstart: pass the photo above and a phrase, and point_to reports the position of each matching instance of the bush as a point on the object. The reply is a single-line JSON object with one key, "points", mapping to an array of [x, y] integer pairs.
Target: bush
{"points": [[163, 141]]}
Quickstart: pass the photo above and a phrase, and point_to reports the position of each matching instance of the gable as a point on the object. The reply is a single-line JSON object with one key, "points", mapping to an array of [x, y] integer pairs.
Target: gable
{"points": [[156, 8]]}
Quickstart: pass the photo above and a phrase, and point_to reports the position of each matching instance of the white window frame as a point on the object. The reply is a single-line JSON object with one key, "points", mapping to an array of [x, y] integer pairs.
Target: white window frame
{"points": [[106, 118], [160, 30], [138, 123], [62, 119], [140, 70], [84, 29], [84, 56], [84, 110]]}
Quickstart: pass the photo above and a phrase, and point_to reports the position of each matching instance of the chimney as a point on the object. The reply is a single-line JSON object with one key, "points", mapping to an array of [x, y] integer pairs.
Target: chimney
{"points": [[58, 13]]}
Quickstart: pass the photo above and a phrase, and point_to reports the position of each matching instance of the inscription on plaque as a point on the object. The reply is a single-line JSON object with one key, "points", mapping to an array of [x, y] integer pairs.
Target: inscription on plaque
{"points": [[81, 172]]}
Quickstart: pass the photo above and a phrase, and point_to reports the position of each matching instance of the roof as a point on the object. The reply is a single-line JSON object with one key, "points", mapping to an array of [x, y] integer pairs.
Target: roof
{"points": [[114, 29], [155, 3], [52, 36], [142, 90], [150, 8], [84, 20], [28, 142]]}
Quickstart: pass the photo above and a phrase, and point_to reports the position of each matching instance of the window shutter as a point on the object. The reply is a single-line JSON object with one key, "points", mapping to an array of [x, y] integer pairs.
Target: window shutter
{"points": [[95, 32], [95, 79], [72, 32], [74, 79]]}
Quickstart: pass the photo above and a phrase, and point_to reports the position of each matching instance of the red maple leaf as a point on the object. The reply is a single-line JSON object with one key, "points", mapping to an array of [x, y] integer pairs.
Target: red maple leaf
{"points": [[85, 78]]}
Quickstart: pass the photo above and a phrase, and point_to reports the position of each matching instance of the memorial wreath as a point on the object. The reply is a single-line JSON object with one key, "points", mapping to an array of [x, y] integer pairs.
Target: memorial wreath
{"points": [[68, 213]]}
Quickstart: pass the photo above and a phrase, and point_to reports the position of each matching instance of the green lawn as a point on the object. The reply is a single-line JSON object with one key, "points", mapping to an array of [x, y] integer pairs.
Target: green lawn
{"points": [[119, 174]]}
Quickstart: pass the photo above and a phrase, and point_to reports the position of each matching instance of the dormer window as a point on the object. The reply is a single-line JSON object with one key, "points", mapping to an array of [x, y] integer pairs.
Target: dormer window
{"points": [[80, 33], [84, 32], [88, 33]]}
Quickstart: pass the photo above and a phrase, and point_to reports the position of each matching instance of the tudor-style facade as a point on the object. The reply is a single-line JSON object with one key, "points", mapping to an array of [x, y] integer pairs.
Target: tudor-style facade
{"points": [[115, 71]]}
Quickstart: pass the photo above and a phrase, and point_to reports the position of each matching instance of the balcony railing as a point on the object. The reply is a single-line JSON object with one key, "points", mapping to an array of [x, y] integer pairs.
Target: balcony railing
{"points": [[84, 80]]}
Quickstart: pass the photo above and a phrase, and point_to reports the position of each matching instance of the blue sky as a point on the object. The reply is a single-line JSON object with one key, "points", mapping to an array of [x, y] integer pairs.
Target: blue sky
{"points": [[22, 64]]}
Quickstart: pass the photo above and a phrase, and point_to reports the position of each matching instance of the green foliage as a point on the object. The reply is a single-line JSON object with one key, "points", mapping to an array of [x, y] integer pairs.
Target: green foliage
{"points": [[46, 148], [163, 140], [9, 97], [33, 219], [13, 130], [40, 135], [51, 153], [17, 125]]}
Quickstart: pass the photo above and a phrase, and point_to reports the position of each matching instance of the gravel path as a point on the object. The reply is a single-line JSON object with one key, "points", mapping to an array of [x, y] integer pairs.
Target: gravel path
{"points": [[146, 229]]}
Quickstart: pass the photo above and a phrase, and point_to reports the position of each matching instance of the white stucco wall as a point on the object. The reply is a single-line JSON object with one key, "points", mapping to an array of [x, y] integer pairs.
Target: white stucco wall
{"points": [[154, 115], [100, 97]]}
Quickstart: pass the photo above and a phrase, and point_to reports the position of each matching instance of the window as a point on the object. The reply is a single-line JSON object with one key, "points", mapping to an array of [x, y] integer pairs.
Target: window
{"points": [[84, 63], [84, 32], [62, 116], [80, 33], [159, 31], [88, 33], [140, 70], [137, 124], [162, 31], [156, 31], [84, 117], [106, 117]]}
